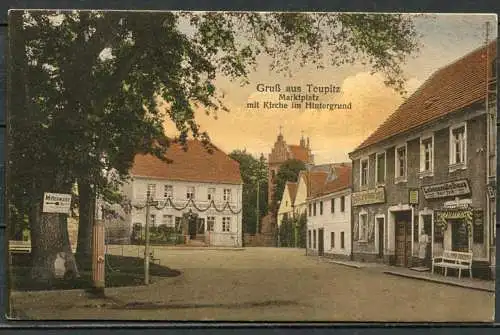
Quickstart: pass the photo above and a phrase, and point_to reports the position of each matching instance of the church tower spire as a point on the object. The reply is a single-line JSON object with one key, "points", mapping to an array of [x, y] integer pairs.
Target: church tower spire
{"points": [[302, 140]]}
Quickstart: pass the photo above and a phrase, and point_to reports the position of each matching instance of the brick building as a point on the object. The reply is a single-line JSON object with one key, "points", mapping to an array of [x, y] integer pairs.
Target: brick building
{"points": [[431, 167]]}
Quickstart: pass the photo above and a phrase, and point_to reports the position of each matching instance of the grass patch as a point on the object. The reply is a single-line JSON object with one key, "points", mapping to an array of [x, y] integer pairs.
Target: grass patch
{"points": [[120, 271]]}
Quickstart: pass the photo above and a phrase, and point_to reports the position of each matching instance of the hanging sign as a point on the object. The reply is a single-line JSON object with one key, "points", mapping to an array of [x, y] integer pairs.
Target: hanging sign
{"points": [[450, 189], [56, 203]]}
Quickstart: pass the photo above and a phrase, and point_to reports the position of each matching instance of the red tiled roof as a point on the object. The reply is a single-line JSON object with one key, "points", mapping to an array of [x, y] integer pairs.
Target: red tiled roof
{"points": [[298, 152], [318, 179], [194, 164], [340, 183], [292, 189], [449, 89]]}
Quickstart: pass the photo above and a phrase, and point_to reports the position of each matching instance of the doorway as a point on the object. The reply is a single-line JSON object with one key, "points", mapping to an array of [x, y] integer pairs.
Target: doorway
{"points": [[427, 227], [403, 228], [380, 224], [321, 242]]}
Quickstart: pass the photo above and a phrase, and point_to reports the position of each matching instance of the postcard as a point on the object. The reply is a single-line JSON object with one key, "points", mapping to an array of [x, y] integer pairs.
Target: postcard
{"points": [[251, 166]]}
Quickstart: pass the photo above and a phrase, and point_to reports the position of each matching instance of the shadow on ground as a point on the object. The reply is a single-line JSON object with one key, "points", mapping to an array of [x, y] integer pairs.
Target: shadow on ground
{"points": [[157, 305], [120, 271]]}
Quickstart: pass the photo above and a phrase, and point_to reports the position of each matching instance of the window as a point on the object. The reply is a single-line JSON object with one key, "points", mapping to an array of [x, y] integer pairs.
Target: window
{"points": [[152, 190], [210, 223], [400, 163], [458, 138], [363, 227], [211, 194], [342, 240], [314, 239], [190, 192], [332, 205], [227, 195], [332, 240], [168, 220], [380, 162], [427, 155], [342, 203], [310, 209], [321, 208], [168, 191], [153, 220], [309, 238], [314, 209], [364, 172], [226, 224]]}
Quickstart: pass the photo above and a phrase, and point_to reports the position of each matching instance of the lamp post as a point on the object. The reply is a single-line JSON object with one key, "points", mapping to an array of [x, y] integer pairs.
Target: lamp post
{"points": [[149, 202], [309, 167]]}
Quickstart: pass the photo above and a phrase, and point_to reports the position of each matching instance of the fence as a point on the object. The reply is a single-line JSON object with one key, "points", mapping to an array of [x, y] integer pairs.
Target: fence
{"points": [[260, 240]]}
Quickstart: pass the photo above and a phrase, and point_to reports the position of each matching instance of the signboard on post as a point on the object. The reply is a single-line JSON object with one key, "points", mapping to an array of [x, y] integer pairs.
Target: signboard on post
{"points": [[56, 203]]}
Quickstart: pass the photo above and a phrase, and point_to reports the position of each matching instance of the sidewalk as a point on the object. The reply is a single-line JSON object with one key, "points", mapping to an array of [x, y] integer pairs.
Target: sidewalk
{"points": [[465, 282]]}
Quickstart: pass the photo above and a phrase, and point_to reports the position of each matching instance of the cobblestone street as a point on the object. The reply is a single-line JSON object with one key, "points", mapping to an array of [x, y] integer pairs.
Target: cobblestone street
{"points": [[264, 284]]}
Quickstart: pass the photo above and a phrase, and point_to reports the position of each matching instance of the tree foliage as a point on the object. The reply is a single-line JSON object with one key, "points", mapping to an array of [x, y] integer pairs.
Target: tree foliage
{"points": [[252, 171]]}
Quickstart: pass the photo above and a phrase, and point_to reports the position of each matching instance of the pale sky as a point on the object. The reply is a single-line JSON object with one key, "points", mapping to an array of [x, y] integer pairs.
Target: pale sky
{"points": [[333, 134]]}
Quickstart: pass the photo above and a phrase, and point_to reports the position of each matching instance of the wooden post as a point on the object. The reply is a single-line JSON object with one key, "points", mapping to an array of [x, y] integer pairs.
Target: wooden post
{"points": [[98, 261]]}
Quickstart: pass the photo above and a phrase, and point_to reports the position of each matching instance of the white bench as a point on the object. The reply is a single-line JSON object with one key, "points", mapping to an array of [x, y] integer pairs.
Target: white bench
{"points": [[454, 260]]}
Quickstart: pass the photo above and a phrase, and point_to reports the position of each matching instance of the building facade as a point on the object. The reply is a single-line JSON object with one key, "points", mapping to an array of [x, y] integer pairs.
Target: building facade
{"points": [[287, 206], [428, 170], [198, 194], [329, 213]]}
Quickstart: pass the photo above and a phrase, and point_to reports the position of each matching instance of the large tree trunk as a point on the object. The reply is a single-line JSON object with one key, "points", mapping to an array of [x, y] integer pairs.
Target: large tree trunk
{"points": [[85, 220], [51, 250]]}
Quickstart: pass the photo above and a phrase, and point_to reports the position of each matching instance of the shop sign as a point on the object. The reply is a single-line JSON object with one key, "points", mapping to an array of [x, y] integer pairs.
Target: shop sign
{"points": [[374, 196], [450, 189], [413, 196]]}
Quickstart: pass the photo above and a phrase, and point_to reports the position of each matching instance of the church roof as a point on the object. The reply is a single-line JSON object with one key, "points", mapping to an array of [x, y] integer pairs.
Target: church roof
{"points": [[453, 87], [194, 164], [299, 152]]}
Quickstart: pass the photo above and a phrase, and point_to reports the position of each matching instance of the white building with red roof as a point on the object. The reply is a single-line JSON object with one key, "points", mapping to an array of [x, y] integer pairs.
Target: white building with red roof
{"points": [[329, 211], [199, 193]]}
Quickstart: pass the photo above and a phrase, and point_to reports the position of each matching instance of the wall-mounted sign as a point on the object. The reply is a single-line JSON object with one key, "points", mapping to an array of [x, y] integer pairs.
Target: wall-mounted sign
{"points": [[450, 189], [56, 203], [413, 196], [374, 196]]}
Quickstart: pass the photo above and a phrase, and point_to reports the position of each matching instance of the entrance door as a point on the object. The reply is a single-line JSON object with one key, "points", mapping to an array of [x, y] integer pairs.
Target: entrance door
{"points": [[459, 236], [192, 225], [321, 242], [380, 223], [403, 238]]}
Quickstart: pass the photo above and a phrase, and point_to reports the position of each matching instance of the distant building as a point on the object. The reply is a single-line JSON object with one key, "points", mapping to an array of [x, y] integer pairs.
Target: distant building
{"points": [[431, 167], [280, 153], [199, 193], [329, 211], [286, 207]]}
